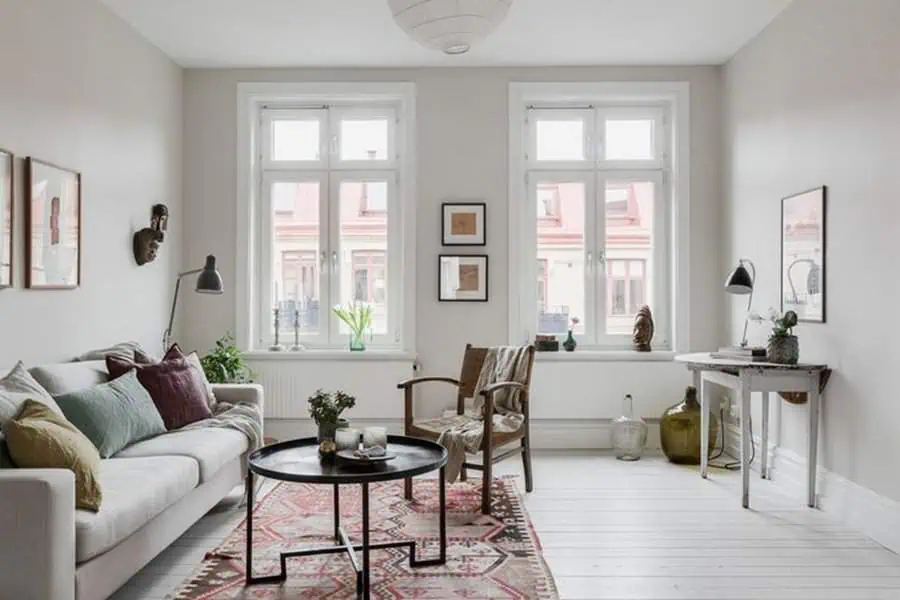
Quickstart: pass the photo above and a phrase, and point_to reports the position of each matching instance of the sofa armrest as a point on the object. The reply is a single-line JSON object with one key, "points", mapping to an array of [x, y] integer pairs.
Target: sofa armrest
{"points": [[240, 393], [37, 543]]}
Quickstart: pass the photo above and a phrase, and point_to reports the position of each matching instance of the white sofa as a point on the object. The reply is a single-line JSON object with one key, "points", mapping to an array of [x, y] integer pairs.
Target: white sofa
{"points": [[153, 491]]}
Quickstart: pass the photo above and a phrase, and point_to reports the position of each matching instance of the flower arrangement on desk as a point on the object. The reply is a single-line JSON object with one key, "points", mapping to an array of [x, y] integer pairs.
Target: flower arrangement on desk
{"points": [[358, 317], [783, 347]]}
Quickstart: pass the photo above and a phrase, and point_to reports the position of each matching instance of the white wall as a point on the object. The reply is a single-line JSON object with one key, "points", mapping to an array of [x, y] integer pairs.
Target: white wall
{"points": [[81, 89], [462, 121], [814, 100]]}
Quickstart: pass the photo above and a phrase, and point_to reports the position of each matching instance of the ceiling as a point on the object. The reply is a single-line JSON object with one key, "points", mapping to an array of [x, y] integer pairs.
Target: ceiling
{"points": [[335, 33]]}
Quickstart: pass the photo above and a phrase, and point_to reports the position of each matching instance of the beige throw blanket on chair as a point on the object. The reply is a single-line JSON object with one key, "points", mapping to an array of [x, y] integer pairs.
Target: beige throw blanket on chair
{"points": [[502, 363]]}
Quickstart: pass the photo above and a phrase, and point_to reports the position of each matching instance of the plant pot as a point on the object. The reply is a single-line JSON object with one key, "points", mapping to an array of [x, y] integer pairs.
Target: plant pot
{"points": [[783, 350], [326, 435]]}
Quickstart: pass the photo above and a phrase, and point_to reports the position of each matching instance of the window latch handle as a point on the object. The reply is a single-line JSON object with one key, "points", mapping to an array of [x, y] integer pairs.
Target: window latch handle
{"points": [[323, 258], [334, 260], [602, 257], [590, 260]]}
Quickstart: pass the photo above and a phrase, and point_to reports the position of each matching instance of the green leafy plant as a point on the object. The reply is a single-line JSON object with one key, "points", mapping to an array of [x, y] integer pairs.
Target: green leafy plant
{"points": [[225, 363], [782, 325], [357, 316], [326, 407]]}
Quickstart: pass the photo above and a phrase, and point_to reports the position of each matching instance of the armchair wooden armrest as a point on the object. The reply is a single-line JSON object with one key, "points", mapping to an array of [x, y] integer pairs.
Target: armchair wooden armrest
{"points": [[500, 385], [411, 382]]}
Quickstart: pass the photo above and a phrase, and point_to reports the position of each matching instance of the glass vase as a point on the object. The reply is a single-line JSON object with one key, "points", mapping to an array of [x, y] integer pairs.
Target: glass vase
{"points": [[679, 430], [629, 433], [357, 342]]}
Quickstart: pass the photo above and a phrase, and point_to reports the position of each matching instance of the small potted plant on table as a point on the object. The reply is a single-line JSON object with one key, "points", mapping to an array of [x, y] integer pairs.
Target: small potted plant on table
{"points": [[783, 348], [325, 408]]}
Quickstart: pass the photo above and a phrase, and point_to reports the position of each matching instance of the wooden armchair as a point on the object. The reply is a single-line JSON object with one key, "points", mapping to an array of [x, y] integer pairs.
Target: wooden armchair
{"points": [[431, 429]]}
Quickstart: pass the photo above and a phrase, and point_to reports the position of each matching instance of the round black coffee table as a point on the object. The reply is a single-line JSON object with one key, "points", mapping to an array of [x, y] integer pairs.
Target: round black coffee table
{"points": [[298, 460]]}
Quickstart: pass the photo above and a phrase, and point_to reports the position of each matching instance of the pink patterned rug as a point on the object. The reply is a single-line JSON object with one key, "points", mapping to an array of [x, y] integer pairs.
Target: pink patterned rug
{"points": [[497, 556]]}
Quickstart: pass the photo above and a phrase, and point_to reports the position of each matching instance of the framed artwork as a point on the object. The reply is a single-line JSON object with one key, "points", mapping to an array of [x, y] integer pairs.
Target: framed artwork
{"points": [[53, 226], [803, 255], [463, 278], [6, 218], [463, 223]]}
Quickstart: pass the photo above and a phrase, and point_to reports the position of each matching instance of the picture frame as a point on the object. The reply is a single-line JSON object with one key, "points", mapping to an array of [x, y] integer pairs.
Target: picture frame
{"points": [[53, 224], [464, 223], [463, 278], [7, 217], [803, 253]]}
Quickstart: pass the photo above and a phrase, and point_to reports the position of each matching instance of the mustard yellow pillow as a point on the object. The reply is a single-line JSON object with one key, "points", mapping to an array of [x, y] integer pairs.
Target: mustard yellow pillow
{"points": [[38, 438]]}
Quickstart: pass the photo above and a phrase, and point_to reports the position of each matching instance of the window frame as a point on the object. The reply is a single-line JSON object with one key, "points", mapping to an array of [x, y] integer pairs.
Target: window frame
{"points": [[255, 222], [668, 104]]}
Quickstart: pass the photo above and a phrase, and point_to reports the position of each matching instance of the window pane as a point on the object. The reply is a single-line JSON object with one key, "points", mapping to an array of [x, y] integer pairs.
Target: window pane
{"points": [[560, 140], [295, 208], [629, 140], [629, 251], [364, 248], [560, 255], [364, 140], [295, 140]]}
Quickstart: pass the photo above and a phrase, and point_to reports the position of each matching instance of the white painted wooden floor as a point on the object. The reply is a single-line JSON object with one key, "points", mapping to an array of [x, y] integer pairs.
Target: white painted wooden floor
{"points": [[646, 530]]}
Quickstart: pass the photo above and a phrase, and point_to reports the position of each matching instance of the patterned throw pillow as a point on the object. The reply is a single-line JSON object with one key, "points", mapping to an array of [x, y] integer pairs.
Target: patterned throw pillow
{"points": [[113, 415], [175, 386], [38, 438]]}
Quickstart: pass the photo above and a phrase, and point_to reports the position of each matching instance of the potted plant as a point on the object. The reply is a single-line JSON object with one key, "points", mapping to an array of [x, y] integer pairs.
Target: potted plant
{"points": [[783, 348], [358, 317], [325, 408], [225, 363], [570, 342]]}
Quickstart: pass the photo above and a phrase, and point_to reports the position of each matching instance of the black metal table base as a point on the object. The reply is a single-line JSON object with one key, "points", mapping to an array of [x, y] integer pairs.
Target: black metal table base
{"points": [[343, 543]]}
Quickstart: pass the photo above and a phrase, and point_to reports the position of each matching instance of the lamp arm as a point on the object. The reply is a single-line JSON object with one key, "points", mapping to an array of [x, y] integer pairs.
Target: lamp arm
{"points": [[750, 299], [168, 332]]}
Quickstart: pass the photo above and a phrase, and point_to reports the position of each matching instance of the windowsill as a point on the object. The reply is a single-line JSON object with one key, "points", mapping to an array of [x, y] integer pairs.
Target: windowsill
{"points": [[336, 355], [605, 356]]}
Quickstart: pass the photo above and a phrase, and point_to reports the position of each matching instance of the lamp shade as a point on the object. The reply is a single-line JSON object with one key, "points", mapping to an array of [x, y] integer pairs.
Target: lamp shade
{"points": [[739, 282], [451, 26], [210, 280]]}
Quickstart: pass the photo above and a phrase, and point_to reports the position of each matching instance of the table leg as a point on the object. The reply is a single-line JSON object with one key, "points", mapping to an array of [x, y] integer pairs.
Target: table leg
{"points": [[442, 487], [337, 514], [365, 540], [813, 441], [764, 446], [746, 441], [702, 388], [250, 502]]}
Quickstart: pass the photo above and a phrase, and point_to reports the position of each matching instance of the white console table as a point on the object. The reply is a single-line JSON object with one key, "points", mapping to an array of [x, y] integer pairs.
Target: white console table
{"points": [[746, 377]]}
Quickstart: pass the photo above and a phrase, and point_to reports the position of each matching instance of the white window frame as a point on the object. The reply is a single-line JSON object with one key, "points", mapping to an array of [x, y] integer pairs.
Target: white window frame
{"points": [[668, 103], [308, 100]]}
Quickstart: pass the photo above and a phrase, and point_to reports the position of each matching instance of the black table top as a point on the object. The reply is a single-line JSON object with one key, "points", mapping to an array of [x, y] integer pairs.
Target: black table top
{"points": [[298, 460]]}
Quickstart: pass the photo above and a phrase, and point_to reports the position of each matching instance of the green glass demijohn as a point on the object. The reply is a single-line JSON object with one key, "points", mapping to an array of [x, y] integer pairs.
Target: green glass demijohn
{"points": [[679, 430]]}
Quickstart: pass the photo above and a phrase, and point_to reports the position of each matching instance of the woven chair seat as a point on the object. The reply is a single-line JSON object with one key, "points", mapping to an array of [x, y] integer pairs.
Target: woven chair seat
{"points": [[431, 429]]}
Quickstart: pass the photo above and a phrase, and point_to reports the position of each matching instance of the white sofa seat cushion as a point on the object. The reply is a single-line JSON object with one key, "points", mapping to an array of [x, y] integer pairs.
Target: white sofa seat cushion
{"points": [[135, 490], [212, 447]]}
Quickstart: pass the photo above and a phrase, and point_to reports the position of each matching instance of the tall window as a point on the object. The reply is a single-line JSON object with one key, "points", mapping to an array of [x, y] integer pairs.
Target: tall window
{"points": [[329, 220], [595, 219]]}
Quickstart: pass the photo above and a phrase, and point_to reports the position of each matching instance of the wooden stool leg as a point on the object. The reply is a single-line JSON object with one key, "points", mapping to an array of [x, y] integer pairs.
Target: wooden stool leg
{"points": [[463, 474], [526, 463], [486, 481], [408, 488]]}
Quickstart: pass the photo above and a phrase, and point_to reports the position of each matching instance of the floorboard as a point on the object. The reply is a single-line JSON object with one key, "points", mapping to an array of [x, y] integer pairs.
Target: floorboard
{"points": [[645, 531]]}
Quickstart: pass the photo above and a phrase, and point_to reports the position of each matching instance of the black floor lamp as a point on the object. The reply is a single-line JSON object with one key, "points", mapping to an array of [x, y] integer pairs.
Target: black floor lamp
{"points": [[208, 282]]}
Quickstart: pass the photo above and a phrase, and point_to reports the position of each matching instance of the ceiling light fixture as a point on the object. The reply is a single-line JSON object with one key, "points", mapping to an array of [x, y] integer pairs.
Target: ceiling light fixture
{"points": [[451, 26]]}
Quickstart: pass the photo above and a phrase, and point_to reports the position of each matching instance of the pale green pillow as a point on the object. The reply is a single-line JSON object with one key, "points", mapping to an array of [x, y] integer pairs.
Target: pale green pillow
{"points": [[38, 438], [113, 415]]}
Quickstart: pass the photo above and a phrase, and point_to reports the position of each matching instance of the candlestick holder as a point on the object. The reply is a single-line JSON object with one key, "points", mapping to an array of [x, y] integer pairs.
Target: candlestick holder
{"points": [[277, 347], [297, 347]]}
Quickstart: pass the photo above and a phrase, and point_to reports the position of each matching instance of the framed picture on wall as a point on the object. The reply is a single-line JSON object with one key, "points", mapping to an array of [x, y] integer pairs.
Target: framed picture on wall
{"points": [[463, 223], [6, 218], [463, 278], [53, 226], [803, 255]]}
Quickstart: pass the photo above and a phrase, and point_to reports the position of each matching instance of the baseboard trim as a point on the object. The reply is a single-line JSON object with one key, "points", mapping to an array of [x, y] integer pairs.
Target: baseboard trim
{"points": [[858, 507], [546, 434]]}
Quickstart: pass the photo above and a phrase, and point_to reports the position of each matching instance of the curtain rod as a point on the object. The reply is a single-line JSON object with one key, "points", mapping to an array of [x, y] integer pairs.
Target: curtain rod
{"points": [[576, 107]]}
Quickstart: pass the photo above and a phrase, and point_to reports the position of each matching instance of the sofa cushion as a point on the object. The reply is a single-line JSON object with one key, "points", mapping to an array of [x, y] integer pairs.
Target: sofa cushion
{"points": [[211, 447], [113, 415], [176, 389], [135, 490], [63, 378], [17, 387]]}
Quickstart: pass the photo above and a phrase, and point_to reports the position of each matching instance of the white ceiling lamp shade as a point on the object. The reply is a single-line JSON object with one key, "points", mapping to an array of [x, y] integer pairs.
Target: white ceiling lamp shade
{"points": [[451, 26]]}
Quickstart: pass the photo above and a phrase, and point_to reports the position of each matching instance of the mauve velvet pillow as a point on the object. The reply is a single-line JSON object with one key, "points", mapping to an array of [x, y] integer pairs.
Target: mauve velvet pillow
{"points": [[176, 388]]}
